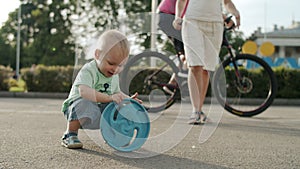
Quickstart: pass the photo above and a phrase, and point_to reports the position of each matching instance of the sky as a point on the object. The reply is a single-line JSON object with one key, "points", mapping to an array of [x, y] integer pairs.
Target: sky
{"points": [[254, 13]]}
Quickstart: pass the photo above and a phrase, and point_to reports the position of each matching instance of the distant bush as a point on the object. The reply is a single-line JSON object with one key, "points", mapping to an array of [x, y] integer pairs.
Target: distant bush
{"points": [[48, 78], [5, 74], [60, 78], [288, 82]]}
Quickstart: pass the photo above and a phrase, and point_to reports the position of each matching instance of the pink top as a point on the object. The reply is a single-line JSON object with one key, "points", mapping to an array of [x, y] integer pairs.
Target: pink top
{"points": [[168, 6]]}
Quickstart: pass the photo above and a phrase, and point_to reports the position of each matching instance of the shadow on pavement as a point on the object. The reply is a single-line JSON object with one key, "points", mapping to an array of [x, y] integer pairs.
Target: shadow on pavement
{"points": [[159, 161]]}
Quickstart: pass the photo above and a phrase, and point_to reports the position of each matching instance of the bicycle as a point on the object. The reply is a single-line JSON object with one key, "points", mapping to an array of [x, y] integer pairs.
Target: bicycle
{"points": [[234, 82]]}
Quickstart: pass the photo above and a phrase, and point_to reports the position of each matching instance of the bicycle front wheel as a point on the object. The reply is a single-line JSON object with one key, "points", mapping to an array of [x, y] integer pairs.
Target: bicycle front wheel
{"points": [[147, 73], [247, 89]]}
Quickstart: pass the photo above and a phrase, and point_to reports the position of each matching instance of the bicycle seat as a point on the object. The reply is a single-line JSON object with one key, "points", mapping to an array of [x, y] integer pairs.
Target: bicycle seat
{"points": [[125, 126]]}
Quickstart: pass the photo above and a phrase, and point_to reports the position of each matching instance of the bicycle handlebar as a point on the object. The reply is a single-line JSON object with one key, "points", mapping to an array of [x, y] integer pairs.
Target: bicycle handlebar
{"points": [[225, 40], [227, 21]]}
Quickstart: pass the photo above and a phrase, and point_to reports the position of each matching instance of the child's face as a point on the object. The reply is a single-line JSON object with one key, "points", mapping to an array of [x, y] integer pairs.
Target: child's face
{"points": [[113, 61]]}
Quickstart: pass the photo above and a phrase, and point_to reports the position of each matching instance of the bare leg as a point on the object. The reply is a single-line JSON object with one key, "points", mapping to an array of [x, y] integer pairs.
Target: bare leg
{"points": [[198, 81], [183, 67], [172, 79], [194, 83], [73, 126], [204, 86]]}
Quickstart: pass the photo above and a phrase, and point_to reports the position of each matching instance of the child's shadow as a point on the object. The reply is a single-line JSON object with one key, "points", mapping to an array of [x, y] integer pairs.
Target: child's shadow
{"points": [[157, 161]]}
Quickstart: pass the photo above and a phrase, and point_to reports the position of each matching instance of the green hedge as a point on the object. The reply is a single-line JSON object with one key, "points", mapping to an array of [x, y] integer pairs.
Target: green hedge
{"points": [[136, 86], [48, 78], [59, 79], [5, 74], [257, 78], [288, 83]]}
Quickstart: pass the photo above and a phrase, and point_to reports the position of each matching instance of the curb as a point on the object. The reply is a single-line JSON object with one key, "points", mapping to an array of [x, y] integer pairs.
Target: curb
{"points": [[34, 95], [286, 102], [5, 94]]}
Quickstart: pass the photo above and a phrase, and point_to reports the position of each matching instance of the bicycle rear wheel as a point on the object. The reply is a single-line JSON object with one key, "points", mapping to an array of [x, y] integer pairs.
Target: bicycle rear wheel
{"points": [[147, 73], [250, 95]]}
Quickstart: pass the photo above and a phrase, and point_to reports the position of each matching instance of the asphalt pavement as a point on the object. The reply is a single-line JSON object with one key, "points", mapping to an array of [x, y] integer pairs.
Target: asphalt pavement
{"points": [[31, 129]]}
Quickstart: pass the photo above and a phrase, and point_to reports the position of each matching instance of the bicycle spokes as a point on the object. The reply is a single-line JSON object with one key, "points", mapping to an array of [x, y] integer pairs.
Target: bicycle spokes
{"points": [[242, 89], [148, 73], [244, 85]]}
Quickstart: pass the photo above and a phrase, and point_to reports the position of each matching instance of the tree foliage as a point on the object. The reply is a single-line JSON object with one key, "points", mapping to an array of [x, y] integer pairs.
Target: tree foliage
{"points": [[45, 33], [132, 17], [53, 31]]}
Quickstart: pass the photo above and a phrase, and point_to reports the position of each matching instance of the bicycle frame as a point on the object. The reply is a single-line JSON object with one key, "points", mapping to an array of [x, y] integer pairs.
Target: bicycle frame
{"points": [[226, 44], [239, 84]]}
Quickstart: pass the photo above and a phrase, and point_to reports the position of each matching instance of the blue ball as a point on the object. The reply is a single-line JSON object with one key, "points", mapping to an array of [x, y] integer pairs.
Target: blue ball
{"points": [[125, 126]]}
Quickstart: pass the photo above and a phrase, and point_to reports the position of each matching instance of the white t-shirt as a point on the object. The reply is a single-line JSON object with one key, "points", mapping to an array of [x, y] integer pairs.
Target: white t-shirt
{"points": [[205, 10]]}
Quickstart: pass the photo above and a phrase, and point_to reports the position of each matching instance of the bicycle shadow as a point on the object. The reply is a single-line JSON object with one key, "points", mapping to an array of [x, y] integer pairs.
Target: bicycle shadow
{"points": [[159, 161]]}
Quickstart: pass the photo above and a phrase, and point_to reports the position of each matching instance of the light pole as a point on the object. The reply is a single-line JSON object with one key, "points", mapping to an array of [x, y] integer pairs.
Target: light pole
{"points": [[153, 29], [18, 43], [153, 24], [265, 19]]}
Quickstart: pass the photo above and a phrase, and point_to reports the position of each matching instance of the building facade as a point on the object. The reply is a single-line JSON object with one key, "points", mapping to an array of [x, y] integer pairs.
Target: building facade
{"points": [[285, 40]]}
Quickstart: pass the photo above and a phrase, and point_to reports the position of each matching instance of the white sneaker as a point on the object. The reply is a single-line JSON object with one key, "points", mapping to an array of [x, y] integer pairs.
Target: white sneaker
{"points": [[198, 118], [195, 118]]}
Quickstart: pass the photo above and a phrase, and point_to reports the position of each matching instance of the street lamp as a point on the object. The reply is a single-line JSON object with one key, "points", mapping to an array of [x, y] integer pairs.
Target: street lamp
{"points": [[18, 43], [153, 23], [153, 29]]}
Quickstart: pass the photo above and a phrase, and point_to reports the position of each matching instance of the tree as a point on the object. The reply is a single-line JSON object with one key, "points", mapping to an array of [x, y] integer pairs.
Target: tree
{"points": [[93, 17], [52, 40], [45, 32], [51, 31], [6, 52]]}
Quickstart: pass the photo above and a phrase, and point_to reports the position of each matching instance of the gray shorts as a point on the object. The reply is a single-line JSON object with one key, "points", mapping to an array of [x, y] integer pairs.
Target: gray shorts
{"points": [[166, 25], [85, 109]]}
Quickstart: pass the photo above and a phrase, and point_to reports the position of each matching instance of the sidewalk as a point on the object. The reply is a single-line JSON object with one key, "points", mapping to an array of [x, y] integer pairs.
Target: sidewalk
{"points": [[31, 129], [277, 101]]}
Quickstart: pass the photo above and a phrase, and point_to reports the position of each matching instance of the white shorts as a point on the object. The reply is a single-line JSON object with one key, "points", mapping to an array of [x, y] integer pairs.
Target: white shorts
{"points": [[202, 43]]}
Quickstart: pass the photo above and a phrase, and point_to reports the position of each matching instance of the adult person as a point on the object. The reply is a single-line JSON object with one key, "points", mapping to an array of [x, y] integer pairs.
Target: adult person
{"points": [[202, 29], [166, 12]]}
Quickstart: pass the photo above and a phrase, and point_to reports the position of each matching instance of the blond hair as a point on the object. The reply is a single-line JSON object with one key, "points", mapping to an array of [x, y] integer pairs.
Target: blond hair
{"points": [[112, 38], [107, 41]]}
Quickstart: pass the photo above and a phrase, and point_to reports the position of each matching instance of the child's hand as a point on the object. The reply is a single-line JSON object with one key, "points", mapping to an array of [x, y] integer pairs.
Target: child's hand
{"points": [[118, 97], [135, 98]]}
